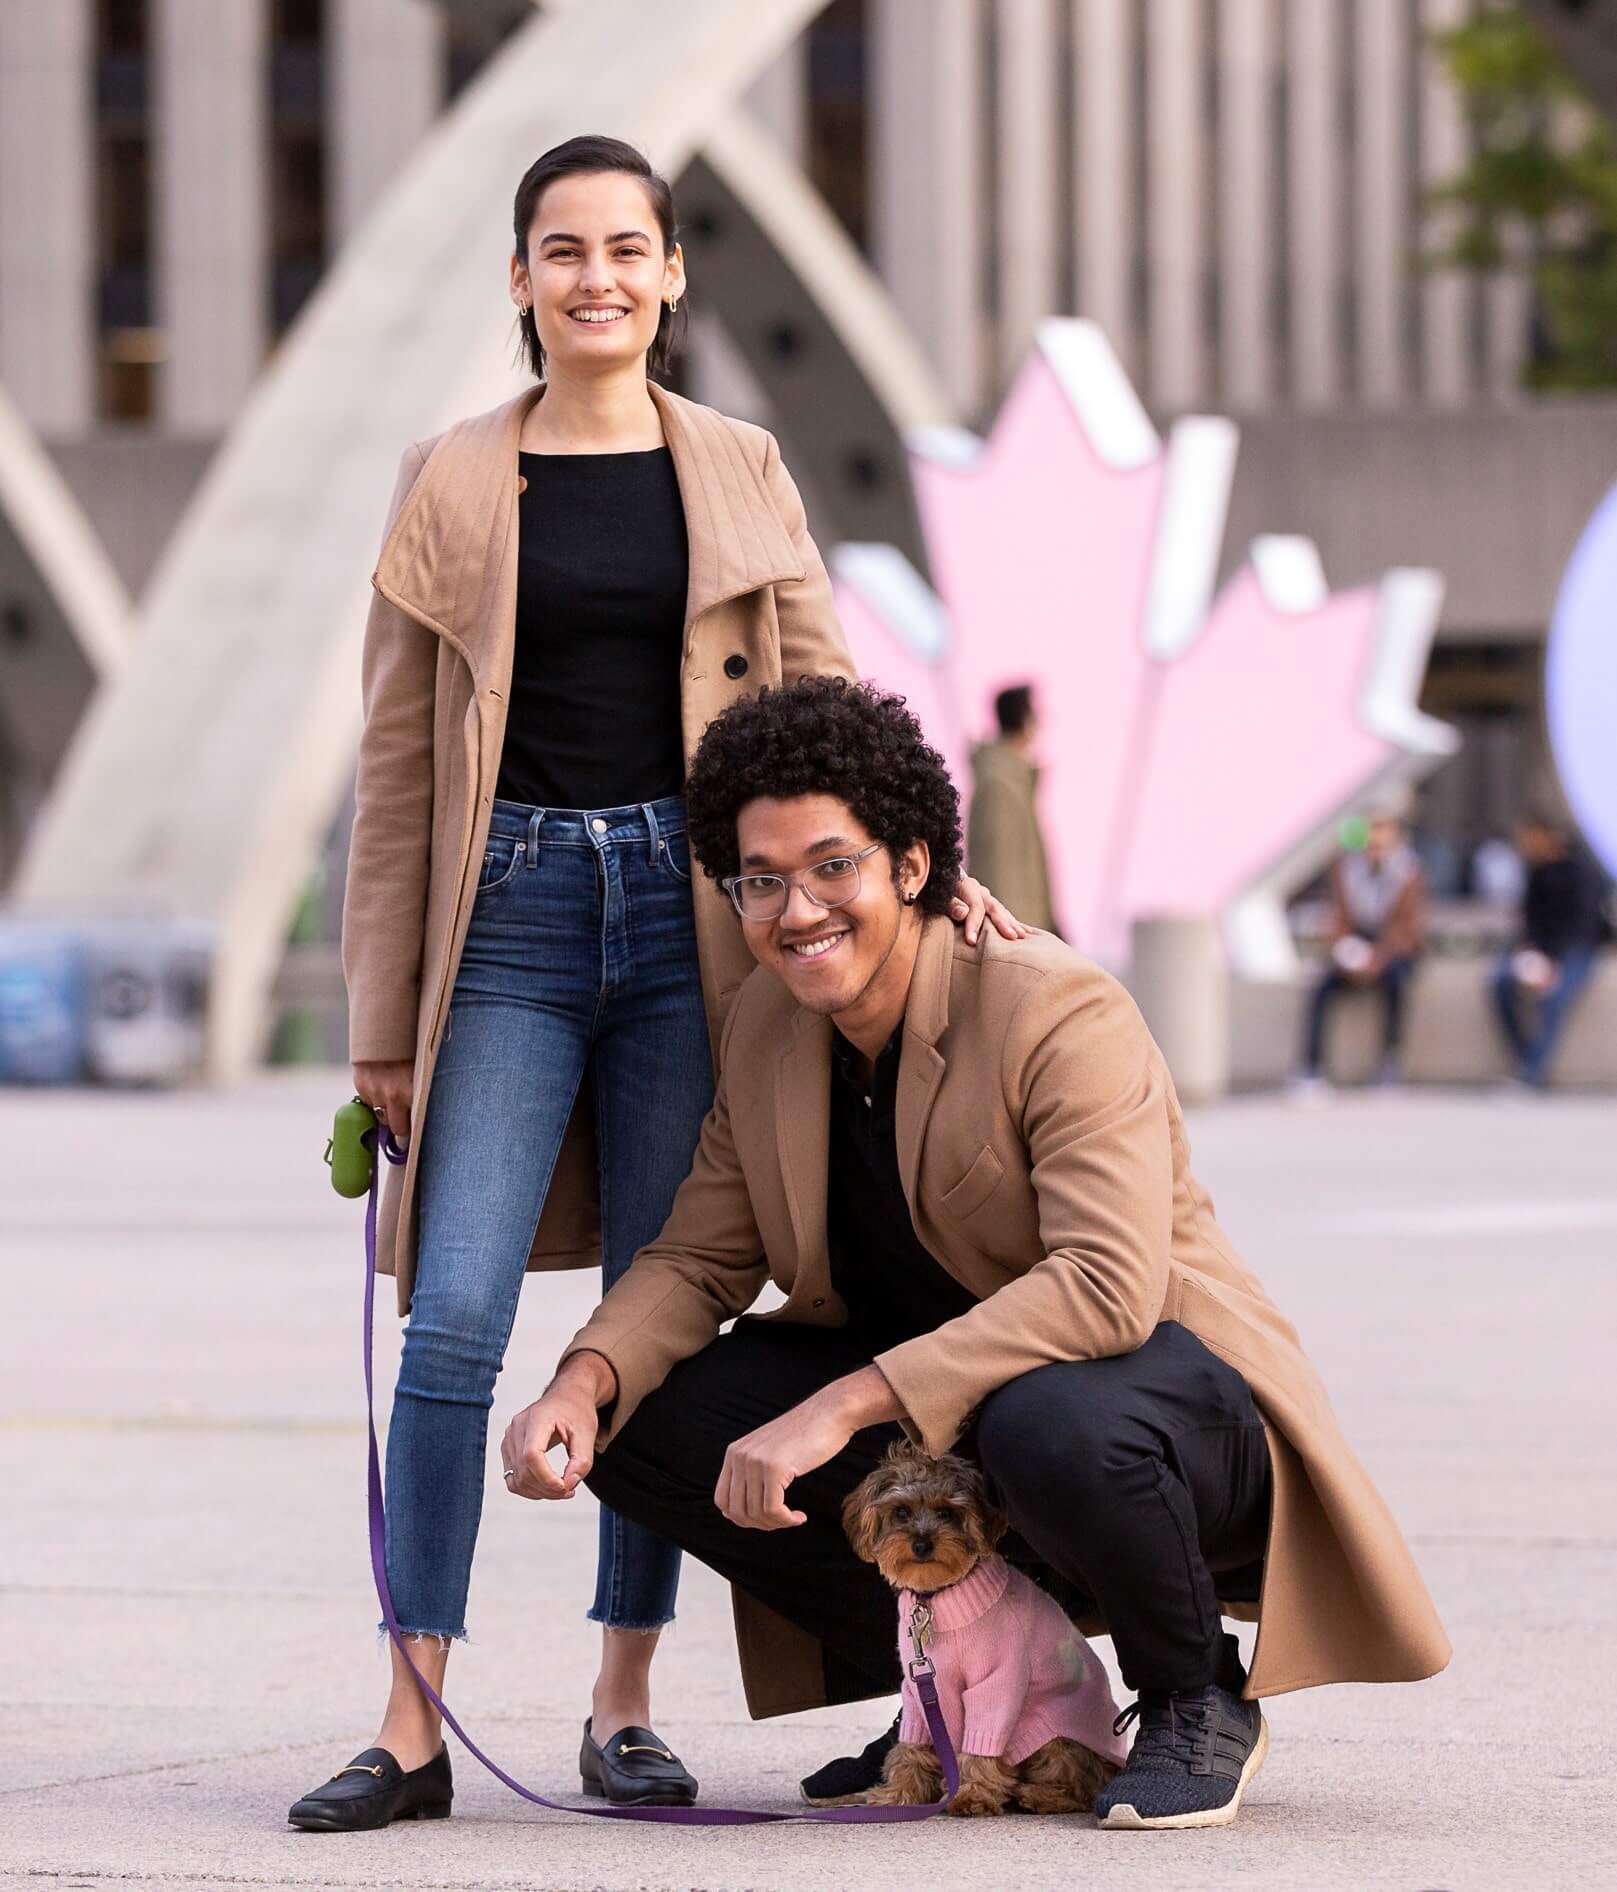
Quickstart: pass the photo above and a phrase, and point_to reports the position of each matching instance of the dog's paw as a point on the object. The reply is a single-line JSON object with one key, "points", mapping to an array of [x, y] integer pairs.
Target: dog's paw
{"points": [[911, 1777], [976, 1803], [986, 1785]]}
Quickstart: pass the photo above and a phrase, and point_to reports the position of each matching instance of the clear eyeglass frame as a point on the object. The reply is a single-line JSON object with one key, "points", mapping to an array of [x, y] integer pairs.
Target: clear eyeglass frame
{"points": [[735, 885]]}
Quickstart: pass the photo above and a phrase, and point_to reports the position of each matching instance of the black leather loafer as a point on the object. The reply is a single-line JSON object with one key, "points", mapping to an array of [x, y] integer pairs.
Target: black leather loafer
{"points": [[634, 1769], [373, 1790]]}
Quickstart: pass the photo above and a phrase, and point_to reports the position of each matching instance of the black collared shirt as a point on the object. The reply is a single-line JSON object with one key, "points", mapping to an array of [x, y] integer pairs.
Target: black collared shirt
{"points": [[893, 1288]]}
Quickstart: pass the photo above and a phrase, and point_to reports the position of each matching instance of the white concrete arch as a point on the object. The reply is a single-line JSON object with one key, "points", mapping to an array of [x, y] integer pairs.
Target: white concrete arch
{"points": [[64, 618], [211, 765], [846, 377]]}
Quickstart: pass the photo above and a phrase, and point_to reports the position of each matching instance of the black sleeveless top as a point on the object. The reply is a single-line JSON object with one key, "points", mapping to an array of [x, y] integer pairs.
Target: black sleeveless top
{"points": [[602, 569]]}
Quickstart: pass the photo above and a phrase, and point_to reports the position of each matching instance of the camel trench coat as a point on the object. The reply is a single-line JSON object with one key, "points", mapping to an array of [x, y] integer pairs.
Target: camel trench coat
{"points": [[1043, 1154], [436, 677]]}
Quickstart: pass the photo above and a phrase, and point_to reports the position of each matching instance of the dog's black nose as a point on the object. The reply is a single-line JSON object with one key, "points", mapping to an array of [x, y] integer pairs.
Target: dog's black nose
{"points": [[922, 1546]]}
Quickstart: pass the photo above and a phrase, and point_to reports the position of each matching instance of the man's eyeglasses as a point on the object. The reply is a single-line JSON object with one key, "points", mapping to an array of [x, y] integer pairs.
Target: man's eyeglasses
{"points": [[831, 883]]}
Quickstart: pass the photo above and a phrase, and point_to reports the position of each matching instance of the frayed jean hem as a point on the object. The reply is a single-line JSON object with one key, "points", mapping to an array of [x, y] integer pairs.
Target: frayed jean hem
{"points": [[636, 1629], [443, 1638]]}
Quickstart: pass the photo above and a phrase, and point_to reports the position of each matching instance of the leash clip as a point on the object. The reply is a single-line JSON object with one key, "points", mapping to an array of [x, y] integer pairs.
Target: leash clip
{"points": [[920, 1636]]}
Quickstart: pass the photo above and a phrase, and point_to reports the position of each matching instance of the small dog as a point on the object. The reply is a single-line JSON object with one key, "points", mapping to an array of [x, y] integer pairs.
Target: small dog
{"points": [[1026, 1702]]}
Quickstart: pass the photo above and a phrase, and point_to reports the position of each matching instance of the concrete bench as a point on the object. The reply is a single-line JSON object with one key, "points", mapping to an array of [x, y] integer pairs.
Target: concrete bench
{"points": [[1450, 1033]]}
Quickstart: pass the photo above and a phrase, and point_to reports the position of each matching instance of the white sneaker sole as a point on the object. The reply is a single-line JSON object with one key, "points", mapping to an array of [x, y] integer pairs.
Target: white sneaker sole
{"points": [[1123, 1819]]}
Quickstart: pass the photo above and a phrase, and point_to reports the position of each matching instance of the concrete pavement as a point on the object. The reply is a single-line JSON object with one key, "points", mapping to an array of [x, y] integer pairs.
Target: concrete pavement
{"points": [[183, 1564]]}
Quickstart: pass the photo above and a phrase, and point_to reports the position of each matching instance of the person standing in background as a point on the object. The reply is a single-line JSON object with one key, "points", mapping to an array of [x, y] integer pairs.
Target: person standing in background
{"points": [[1004, 842], [1378, 926], [1554, 957]]}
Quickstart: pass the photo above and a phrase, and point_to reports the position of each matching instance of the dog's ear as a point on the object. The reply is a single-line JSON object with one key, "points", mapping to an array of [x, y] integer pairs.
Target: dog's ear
{"points": [[860, 1517], [988, 1520]]}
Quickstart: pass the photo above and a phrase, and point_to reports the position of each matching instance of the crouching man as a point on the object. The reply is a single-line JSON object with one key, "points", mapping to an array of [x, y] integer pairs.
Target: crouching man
{"points": [[965, 1169]]}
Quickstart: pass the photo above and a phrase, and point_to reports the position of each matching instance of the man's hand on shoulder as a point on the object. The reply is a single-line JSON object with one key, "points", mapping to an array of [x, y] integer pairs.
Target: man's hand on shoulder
{"points": [[566, 1413]]}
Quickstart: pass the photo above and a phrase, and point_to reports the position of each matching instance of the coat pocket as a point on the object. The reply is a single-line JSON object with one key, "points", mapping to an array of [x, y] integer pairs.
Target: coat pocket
{"points": [[976, 1186]]}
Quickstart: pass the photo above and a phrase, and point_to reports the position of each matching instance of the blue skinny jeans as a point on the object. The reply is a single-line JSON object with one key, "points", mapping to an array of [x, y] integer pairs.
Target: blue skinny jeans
{"points": [[1534, 1041], [580, 959]]}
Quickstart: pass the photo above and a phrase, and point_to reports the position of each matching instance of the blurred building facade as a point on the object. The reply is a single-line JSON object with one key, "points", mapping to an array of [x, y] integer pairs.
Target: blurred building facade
{"points": [[1233, 188]]}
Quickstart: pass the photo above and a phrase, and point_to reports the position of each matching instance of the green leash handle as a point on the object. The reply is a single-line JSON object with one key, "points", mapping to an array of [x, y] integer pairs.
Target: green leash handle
{"points": [[350, 1158]]}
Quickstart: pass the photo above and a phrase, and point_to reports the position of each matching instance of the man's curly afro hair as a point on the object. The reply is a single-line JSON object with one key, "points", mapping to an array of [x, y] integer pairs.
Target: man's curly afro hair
{"points": [[826, 736]]}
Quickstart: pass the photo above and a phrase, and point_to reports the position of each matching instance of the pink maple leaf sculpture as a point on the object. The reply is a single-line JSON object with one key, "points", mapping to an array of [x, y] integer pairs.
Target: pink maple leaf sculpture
{"points": [[1197, 753]]}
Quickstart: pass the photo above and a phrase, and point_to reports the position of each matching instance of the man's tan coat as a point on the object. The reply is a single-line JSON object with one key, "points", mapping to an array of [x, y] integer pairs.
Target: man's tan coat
{"points": [[436, 679], [1044, 1158]]}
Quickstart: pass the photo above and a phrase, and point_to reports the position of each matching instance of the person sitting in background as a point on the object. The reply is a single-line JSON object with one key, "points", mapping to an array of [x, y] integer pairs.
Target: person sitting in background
{"points": [[1003, 829], [1552, 960], [1378, 926]]}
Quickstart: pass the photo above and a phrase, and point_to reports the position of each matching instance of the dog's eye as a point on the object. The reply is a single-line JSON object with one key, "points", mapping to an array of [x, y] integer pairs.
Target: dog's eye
{"points": [[901, 1514]]}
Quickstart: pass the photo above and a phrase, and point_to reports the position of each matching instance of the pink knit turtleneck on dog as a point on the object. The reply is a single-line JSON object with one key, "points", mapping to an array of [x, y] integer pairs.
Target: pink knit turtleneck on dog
{"points": [[1012, 1672]]}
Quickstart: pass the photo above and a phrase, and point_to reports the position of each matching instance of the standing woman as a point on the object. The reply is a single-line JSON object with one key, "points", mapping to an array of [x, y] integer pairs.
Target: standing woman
{"points": [[571, 588]]}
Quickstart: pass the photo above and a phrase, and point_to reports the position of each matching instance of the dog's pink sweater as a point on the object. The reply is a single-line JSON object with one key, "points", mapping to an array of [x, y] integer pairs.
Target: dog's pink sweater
{"points": [[1012, 1672]]}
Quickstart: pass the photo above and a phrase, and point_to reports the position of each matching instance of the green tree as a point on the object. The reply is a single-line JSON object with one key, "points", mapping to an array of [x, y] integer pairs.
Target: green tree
{"points": [[1539, 194]]}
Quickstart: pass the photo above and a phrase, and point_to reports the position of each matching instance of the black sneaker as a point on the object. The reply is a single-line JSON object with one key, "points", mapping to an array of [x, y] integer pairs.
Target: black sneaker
{"points": [[1192, 1758], [849, 1776]]}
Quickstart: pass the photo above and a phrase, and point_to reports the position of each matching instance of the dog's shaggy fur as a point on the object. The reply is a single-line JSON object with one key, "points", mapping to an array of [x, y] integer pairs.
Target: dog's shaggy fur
{"points": [[925, 1523]]}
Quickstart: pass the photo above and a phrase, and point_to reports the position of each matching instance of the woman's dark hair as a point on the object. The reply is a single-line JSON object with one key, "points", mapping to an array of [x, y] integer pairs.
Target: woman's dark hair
{"points": [[826, 736], [590, 157]]}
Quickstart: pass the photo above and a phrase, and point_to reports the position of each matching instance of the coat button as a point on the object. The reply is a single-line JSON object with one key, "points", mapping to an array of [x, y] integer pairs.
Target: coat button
{"points": [[735, 667], [819, 1300]]}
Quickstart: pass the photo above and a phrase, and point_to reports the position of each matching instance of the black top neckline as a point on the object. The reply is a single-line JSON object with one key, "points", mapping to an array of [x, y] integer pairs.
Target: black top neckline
{"points": [[629, 453], [603, 576]]}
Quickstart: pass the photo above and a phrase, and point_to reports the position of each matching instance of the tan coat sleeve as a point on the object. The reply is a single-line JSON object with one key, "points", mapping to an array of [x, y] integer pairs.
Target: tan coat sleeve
{"points": [[385, 900], [1090, 1092], [811, 639], [705, 1267]]}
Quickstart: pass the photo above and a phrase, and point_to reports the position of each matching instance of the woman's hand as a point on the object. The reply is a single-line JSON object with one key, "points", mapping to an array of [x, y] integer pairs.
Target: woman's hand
{"points": [[388, 1089], [973, 903]]}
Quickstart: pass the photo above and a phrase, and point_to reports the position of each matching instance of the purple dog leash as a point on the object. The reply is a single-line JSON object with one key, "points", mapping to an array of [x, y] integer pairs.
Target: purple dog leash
{"points": [[921, 1672]]}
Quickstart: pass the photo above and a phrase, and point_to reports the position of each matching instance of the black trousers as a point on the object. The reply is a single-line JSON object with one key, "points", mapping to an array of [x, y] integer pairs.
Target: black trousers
{"points": [[1392, 983], [1137, 1489]]}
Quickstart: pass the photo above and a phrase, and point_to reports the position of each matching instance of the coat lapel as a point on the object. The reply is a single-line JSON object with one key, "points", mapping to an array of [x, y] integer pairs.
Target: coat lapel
{"points": [[450, 561], [921, 1068], [737, 539]]}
